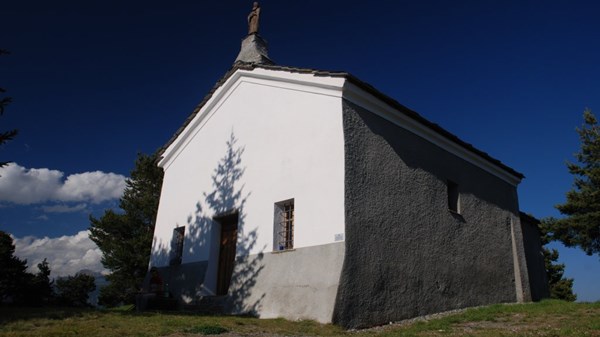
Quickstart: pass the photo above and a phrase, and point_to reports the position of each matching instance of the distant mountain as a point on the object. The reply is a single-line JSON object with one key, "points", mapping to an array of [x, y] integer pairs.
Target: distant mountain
{"points": [[89, 272]]}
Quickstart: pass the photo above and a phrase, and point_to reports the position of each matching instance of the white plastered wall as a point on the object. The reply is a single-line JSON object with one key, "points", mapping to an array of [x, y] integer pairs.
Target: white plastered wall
{"points": [[290, 129]]}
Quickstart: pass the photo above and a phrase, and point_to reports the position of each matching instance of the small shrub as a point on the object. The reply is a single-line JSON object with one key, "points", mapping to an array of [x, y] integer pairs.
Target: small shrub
{"points": [[207, 330]]}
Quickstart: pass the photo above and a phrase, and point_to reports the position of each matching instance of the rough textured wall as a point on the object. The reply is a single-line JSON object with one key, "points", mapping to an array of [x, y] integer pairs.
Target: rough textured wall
{"points": [[406, 254], [538, 279], [296, 284]]}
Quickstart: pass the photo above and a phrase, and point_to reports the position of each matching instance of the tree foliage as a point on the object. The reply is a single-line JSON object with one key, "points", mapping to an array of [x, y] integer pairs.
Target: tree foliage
{"points": [[581, 226], [41, 285], [74, 291], [125, 238], [13, 273], [4, 101], [18, 286], [560, 287]]}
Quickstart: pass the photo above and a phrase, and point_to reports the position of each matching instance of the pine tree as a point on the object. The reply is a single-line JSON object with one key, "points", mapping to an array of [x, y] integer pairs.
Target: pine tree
{"points": [[41, 285], [125, 239], [581, 226], [560, 288], [13, 275], [4, 101], [17, 286]]}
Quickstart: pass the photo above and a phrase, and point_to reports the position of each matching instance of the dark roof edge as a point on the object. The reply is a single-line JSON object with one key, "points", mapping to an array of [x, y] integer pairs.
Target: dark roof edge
{"points": [[188, 120], [529, 218], [435, 127], [363, 85]]}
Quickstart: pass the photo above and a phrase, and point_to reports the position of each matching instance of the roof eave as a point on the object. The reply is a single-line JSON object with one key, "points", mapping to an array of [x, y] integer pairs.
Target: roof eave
{"points": [[426, 127]]}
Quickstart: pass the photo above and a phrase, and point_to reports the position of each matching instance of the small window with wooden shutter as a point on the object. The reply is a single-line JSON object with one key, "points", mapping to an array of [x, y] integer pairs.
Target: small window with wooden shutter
{"points": [[453, 197], [177, 246]]}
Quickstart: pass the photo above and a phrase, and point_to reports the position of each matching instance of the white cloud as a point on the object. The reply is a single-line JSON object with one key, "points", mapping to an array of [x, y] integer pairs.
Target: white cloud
{"points": [[30, 186], [63, 208], [66, 255], [23, 186]]}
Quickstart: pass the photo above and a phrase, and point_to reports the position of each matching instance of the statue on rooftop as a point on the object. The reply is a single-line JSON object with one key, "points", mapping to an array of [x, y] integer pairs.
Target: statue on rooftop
{"points": [[253, 18]]}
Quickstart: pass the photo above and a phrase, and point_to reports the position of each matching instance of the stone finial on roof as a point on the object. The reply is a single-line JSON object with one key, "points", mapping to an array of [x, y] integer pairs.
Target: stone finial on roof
{"points": [[254, 47], [253, 19]]}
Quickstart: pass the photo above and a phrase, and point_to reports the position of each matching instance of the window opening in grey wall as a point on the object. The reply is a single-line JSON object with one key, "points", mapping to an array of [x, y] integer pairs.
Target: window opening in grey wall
{"points": [[177, 245], [453, 197], [284, 225]]}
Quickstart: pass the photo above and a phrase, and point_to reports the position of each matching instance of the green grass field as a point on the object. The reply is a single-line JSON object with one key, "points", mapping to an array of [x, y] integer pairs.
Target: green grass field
{"points": [[547, 318]]}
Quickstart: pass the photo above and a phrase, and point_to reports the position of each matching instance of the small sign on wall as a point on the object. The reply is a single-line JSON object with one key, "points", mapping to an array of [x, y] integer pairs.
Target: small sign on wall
{"points": [[339, 237]]}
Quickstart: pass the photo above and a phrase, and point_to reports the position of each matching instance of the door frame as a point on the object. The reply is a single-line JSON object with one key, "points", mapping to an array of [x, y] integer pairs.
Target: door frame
{"points": [[227, 250]]}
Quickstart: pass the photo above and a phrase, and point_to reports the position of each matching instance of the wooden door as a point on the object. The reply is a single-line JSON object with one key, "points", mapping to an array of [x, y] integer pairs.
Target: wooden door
{"points": [[226, 252]]}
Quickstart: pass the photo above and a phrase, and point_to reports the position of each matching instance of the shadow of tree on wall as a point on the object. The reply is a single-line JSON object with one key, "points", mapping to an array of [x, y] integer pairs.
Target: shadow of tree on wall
{"points": [[203, 232], [225, 198], [241, 299]]}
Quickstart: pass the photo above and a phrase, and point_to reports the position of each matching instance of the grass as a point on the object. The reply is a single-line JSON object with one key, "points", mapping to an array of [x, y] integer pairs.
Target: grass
{"points": [[547, 318], [206, 330]]}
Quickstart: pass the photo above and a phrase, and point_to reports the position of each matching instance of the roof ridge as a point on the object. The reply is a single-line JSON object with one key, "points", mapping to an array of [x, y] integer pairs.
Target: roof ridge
{"points": [[250, 66]]}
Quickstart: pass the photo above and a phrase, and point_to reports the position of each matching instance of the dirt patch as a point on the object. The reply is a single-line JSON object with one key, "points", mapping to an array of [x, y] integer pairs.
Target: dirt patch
{"points": [[410, 321]]}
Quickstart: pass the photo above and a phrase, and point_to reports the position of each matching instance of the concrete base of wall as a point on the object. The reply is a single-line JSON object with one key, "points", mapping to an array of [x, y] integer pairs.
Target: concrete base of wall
{"points": [[296, 284], [185, 281]]}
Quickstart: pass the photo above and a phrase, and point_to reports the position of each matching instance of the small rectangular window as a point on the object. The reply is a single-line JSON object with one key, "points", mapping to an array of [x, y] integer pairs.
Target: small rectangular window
{"points": [[453, 197], [284, 225], [177, 245]]}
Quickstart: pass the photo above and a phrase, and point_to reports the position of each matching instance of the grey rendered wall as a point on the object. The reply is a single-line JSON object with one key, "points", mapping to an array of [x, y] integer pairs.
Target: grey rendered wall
{"points": [[297, 284], [406, 254], [538, 279]]}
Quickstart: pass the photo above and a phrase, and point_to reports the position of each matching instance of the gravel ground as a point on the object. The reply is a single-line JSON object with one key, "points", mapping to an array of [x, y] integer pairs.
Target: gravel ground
{"points": [[411, 321]]}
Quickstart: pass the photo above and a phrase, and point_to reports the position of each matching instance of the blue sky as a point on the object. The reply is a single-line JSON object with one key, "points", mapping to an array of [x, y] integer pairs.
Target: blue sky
{"points": [[95, 82]]}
